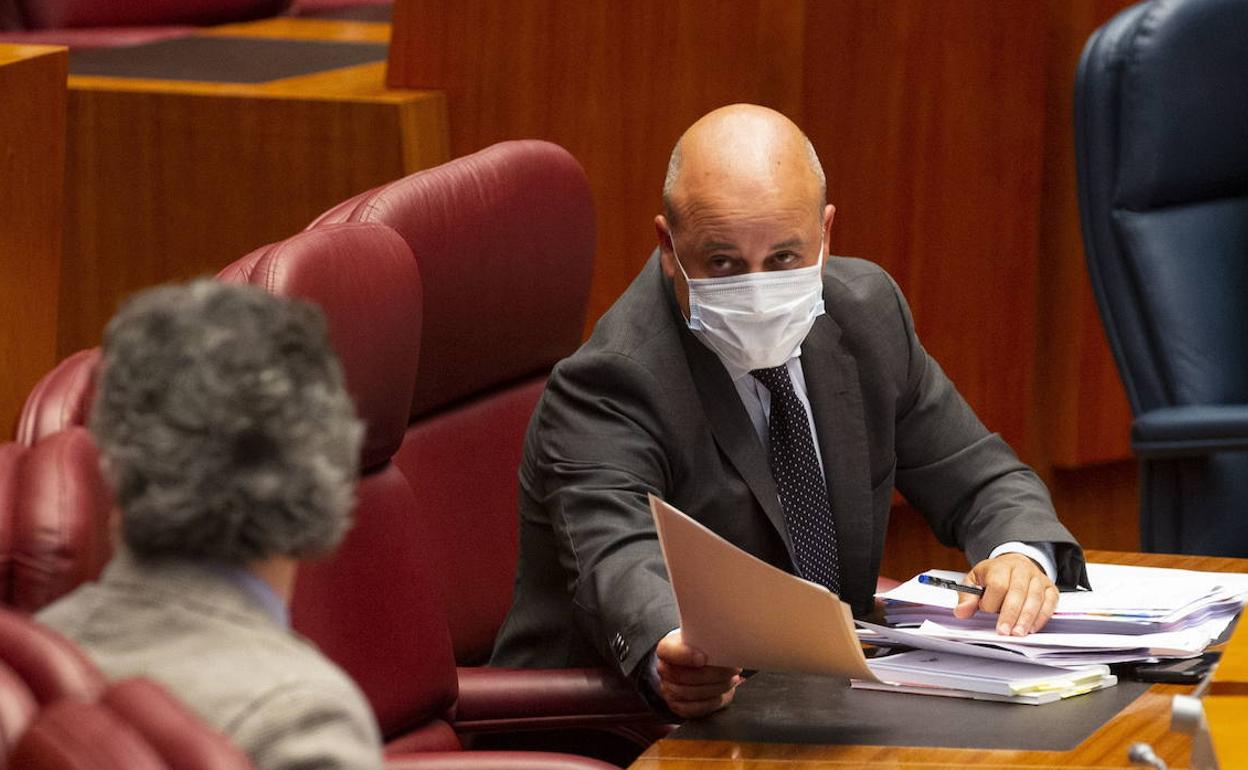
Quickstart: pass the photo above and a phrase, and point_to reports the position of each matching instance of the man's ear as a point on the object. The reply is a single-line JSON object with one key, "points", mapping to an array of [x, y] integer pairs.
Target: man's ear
{"points": [[829, 213], [667, 259]]}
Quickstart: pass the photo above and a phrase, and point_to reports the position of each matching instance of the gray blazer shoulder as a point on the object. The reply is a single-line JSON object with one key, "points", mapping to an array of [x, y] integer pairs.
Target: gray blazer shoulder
{"points": [[214, 647]]}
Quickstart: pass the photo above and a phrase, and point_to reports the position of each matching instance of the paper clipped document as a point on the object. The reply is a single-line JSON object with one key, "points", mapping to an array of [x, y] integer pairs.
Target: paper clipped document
{"points": [[929, 672], [743, 612]]}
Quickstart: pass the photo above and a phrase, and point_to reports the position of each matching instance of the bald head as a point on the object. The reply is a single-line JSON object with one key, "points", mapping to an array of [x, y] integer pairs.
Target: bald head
{"points": [[741, 149], [744, 194]]}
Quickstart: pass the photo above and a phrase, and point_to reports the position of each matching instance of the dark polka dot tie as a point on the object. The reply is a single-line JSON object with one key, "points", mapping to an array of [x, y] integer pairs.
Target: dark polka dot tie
{"points": [[803, 493]]}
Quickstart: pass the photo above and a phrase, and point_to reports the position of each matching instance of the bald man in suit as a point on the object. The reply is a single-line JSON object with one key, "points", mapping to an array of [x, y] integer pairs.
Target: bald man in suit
{"points": [[740, 349]]}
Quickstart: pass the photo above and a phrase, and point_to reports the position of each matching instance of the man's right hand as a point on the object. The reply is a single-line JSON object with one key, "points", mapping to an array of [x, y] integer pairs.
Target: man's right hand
{"points": [[689, 686]]}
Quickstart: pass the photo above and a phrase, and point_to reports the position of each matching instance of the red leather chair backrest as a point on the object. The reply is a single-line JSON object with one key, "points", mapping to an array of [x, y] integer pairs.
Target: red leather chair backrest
{"points": [[136, 726], [373, 606], [79, 735], [376, 610], [364, 278], [172, 729], [44, 14], [17, 709], [461, 464], [62, 398], [51, 667], [54, 508], [505, 243]]}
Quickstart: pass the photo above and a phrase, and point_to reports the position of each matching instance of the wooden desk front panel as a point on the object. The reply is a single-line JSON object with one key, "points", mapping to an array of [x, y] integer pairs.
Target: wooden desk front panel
{"points": [[172, 180], [32, 173], [167, 180]]}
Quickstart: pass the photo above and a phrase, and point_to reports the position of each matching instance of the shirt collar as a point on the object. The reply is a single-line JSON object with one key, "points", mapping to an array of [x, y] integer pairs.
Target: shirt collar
{"points": [[257, 589], [737, 374]]}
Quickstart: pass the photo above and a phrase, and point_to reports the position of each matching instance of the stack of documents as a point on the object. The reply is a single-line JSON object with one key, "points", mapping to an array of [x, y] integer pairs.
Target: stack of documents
{"points": [[743, 612], [941, 673], [1132, 613]]}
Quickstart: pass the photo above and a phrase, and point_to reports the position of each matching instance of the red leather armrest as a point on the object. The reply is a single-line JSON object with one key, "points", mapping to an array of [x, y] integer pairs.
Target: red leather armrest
{"points": [[493, 760], [514, 698]]}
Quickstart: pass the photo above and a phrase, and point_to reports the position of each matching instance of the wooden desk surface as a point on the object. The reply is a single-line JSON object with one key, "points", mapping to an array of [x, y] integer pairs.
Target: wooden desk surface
{"points": [[1146, 719], [1227, 715]]}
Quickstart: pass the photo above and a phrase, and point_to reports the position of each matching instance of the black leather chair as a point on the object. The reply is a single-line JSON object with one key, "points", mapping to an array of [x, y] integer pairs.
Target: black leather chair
{"points": [[1161, 137]]}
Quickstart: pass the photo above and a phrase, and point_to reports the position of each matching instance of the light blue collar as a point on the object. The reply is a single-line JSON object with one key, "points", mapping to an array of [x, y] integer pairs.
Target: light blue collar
{"points": [[256, 588]]}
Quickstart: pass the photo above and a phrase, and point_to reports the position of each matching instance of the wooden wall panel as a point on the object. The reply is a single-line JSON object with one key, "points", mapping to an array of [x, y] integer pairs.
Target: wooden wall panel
{"points": [[925, 115], [1078, 385], [613, 82], [945, 129], [32, 173]]}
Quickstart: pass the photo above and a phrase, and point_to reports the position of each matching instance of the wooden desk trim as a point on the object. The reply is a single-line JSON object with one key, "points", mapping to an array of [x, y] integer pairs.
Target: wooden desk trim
{"points": [[1146, 719], [288, 28]]}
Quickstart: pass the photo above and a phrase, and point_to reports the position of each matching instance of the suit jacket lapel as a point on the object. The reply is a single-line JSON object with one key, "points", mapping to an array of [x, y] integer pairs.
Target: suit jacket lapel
{"points": [[836, 404], [731, 426]]}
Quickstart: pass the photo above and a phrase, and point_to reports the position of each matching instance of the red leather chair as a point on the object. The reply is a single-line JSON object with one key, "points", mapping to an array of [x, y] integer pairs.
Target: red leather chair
{"points": [[37, 667], [361, 607], [49, 665], [518, 214], [99, 23], [61, 398], [375, 606], [54, 508], [17, 710], [136, 725], [505, 243]]}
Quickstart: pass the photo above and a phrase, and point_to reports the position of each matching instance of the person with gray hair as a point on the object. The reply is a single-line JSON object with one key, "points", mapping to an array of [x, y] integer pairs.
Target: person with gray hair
{"points": [[226, 431]]}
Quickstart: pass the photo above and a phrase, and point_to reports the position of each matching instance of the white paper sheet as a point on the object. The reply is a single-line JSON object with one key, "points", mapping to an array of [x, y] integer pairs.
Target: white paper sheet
{"points": [[1177, 644], [1067, 657], [966, 672], [744, 612], [1031, 700], [1116, 587]]}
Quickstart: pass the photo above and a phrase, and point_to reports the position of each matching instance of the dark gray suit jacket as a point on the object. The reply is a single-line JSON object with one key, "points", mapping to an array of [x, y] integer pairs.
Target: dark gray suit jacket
{"points": [[644, 407]]}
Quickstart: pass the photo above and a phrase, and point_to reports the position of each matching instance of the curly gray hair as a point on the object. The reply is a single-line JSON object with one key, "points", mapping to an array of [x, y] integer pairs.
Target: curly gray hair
{"points": [[224, 426]]}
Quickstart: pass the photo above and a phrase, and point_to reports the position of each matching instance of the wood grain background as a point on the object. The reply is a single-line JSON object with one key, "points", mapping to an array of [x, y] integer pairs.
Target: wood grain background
{"points": [[32, 174], [167, 180], [945, 129]]}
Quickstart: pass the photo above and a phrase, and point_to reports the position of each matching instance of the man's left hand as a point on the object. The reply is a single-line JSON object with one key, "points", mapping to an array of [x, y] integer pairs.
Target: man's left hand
{"points": [[1016, 589]]}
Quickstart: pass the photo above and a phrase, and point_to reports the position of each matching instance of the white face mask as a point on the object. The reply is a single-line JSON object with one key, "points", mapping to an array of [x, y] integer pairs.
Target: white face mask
{"points": [[755, 320]]}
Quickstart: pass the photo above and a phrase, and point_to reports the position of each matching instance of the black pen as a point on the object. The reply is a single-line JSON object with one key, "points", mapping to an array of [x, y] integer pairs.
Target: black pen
{"points": [[952, 586]]}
